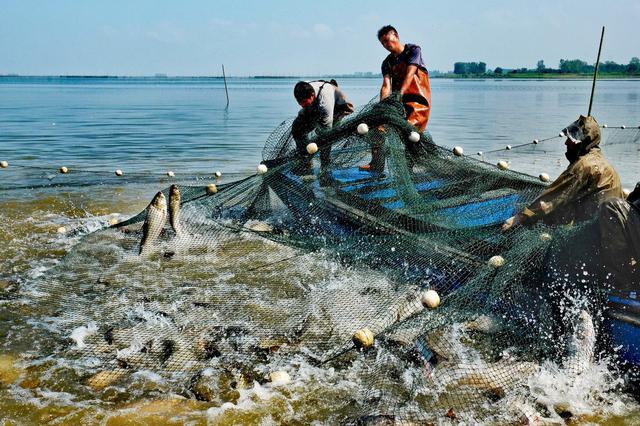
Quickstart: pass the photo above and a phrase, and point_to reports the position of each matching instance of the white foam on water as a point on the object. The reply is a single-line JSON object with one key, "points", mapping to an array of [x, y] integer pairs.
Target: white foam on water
{"points": [[249, 399], [80, 333], [595, 391], [130, 351], [150, 376], [152, 319]]}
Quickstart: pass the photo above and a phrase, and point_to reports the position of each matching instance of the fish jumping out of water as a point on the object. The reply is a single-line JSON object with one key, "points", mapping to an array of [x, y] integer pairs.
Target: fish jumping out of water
{"points": [[581, 345], [153, 224], [174, 208]]}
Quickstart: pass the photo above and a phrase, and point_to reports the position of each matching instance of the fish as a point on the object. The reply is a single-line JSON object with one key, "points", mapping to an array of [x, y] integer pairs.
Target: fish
{"points": [[174, 208], [581, 345], [258, 226], [525, 413], [146, 344], [485, 324], [495, 378], [153, 223]]}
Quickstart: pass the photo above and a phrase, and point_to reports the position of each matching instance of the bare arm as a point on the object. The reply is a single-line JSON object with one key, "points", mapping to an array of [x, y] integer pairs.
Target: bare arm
{"points": [[411, 71], [385, 90]]}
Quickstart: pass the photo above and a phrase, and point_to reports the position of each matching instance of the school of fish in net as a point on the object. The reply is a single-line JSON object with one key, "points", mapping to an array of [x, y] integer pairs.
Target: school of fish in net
{"points": [[395, 293]]}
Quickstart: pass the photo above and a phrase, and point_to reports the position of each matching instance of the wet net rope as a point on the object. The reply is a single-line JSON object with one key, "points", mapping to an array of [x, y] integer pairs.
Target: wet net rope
{"points": [[393, 292]]}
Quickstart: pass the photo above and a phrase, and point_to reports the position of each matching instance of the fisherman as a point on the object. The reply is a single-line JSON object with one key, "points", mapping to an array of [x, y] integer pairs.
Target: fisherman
{"points": [[619, 229], [576, 194], [323, 104], [403, 72], [574, 197]]}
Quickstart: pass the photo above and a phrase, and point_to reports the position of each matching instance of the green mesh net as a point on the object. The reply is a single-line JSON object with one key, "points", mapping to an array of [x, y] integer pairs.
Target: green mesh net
{"points": [[319, 282]]}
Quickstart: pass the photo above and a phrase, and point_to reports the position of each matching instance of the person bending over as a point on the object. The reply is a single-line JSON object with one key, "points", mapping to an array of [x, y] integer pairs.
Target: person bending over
{"points": [[323, 105]]}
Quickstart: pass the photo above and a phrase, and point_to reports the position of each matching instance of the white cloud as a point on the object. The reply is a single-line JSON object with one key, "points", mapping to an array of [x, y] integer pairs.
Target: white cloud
{"points": [[323, 31]]}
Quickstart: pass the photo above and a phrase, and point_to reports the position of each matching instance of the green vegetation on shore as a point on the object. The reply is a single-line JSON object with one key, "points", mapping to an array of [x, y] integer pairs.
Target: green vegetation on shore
{"points": [[567, 69]]}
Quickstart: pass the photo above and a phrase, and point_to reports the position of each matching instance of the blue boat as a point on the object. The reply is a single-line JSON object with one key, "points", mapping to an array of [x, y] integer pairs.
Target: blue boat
{"points": [[369, 202], [622, 323]]}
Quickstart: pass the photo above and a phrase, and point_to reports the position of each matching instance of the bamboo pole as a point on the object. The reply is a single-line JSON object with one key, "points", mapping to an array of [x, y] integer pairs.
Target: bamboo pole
{"points": [[595, 73], [225, 86]]}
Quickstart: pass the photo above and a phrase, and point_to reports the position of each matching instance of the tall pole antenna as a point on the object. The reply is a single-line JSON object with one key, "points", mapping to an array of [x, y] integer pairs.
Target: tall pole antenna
{"points": [[595, 73], [227, 92]]}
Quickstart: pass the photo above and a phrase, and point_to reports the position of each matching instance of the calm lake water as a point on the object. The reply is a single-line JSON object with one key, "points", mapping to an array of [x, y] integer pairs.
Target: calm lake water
{"points": [[182, 124], [149, 126]]}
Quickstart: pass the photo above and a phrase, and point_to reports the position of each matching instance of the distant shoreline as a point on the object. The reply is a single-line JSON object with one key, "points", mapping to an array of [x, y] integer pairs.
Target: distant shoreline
{"points": [[516, 76]]}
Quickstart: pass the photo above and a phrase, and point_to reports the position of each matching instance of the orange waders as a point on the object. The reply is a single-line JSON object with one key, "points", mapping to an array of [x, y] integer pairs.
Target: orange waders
{"points": [[417, 98]]}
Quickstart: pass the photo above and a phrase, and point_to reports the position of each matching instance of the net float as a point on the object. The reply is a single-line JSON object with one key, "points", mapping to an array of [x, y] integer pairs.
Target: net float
{"points": [[363, 338], [312, 148], [362, 129], [430, 299]]}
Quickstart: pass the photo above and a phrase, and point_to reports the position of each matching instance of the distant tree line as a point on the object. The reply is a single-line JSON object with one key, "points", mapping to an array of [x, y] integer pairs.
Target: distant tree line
{"points": [[566, 66], [469, 68]]}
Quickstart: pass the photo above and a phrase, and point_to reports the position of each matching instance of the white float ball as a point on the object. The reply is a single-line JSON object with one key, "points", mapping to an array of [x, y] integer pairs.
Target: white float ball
{"points": [[61, 230], [544, 177], [414, 137], [362, 129], [496, 262], [623, 127], [171, 174], [479, 152], [312, 148], [262, 169], [503, 165], [545, 236], [212, 189], [218, 173], [4, 164], [279, 377], [63, 170], [363, 338], [605, 126], [508, 147], [535, 141], [458, 151], [430, 299], [119, 172], [561, 135]]}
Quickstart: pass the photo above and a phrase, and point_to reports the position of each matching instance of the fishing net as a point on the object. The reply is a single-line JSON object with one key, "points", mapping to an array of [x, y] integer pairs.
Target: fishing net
{"points": [[320, 282]]}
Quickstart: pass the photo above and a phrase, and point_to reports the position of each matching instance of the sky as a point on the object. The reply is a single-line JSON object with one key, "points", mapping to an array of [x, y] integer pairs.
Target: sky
{"points": [[278, 37]]}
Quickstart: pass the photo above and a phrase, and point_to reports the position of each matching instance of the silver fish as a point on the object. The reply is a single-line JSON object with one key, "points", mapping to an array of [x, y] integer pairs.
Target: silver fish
{"points": [[496, 377], [153, 224], [174, 208], [581, 345], [485, 324]]}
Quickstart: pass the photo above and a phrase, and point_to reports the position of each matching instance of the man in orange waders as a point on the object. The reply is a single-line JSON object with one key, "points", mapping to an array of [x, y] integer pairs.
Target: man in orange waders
{"points": [[403, 71]]}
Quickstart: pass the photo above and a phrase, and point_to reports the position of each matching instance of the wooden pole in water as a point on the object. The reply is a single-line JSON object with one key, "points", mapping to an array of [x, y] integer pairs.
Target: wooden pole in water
{"points": [[227, 92], [595, 73]]}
